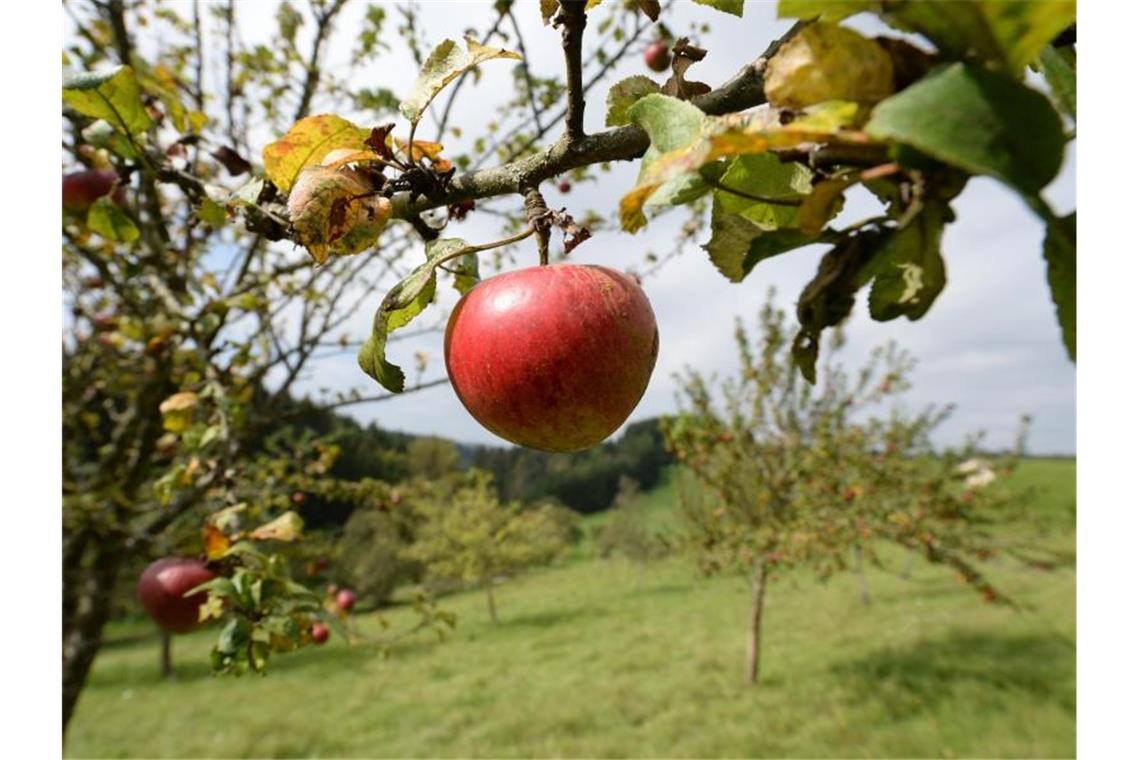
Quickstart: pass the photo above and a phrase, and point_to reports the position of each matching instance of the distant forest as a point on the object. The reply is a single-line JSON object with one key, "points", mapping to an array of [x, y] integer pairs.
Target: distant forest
{"points": [[585, 482]]}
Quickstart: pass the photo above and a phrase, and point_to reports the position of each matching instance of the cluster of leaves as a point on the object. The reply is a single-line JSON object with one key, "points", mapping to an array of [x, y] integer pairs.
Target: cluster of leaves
{"points": [[845, 110], [792, 474]]}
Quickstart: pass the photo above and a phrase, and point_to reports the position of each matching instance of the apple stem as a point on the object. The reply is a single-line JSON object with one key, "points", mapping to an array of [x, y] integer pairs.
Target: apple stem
{"points": [[539, 216]]}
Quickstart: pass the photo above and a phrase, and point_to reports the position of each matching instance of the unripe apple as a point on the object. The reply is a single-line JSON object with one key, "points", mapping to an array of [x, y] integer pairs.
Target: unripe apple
{"points": [[345, 599], [552, 357], [81, 189], [657, 55], [319, 633], [162, 588]]}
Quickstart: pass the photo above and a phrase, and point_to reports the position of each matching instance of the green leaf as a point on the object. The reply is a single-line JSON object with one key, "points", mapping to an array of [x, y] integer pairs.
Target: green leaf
{"points": [[908, 267], [306, 144], [445, 63], [1008, 33], [234, 636], [400, 306], [1061, 270], [763, 174], [466, 269], [1060, 70], [102, 135], [739, 242], [211, 213], [113, 95], [977, 120], [735, 7], [828, 299], [623, 95], [671, 123], [106, 219], [826, 10]]}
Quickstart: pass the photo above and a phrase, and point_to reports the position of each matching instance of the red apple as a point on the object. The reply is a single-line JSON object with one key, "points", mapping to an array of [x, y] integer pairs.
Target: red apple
{"points": [[657, 55], [552, 357], [345, 599], [319, 633], [564, 186], [162, 588], [81, 189]]}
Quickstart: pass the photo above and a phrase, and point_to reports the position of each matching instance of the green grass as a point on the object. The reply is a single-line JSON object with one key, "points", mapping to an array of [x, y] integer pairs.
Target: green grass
{"points": [[609, 659]]}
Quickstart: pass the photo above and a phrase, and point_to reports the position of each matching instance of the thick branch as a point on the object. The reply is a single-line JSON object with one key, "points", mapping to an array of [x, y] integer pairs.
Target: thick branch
{"points": [[743, 91]]}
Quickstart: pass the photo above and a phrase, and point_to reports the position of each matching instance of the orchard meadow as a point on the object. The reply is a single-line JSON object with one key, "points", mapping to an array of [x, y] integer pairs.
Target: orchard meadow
{"points": [[568, 378]]}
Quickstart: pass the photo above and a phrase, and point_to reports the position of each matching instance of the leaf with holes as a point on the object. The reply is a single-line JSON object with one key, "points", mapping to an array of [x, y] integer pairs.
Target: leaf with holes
{"points": [[908, 267]]}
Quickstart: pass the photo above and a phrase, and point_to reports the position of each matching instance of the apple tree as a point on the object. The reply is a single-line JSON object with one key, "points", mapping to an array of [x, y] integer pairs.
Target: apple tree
{"points": [[465, 535], [791, 474]]}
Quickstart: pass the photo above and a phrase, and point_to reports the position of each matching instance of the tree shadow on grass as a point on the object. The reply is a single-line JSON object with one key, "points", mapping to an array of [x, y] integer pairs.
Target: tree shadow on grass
{"points": [[547, 618], [918, 677]]}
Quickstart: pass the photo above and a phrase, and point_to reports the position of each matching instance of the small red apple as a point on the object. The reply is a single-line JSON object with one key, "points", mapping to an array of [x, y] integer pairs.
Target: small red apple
{"points": [[552, 357], [345, 599], [319, 633], [298, 497], [162, 588], [848, 494], [657, 55], [564, 186], [81, 189], [726, 437]]}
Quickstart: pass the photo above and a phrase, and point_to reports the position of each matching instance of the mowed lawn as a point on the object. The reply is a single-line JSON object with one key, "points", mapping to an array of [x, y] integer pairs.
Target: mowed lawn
{"points": [[604, 658]]}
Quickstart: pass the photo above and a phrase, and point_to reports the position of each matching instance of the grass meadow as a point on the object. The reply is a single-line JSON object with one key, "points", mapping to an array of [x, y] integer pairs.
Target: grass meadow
{"points": [[607, 658]]}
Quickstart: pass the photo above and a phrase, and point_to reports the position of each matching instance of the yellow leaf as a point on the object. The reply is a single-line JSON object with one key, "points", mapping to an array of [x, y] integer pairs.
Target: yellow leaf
{"points": [[828, 62], [592, 4], [548, 8], [817, 208], [287, 527], [335, 212], [178, 411], [306, 144], [214, 542]]}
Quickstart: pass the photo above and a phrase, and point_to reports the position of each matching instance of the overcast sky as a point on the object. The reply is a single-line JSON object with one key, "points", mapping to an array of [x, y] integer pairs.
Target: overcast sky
{"points": [[990, 344]]}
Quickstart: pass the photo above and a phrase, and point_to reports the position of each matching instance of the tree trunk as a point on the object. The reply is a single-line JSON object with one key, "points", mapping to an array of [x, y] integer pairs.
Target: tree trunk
{"points": [[83, 637], [166, 663], [755, 618], [864, 592], [491, 603]]}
